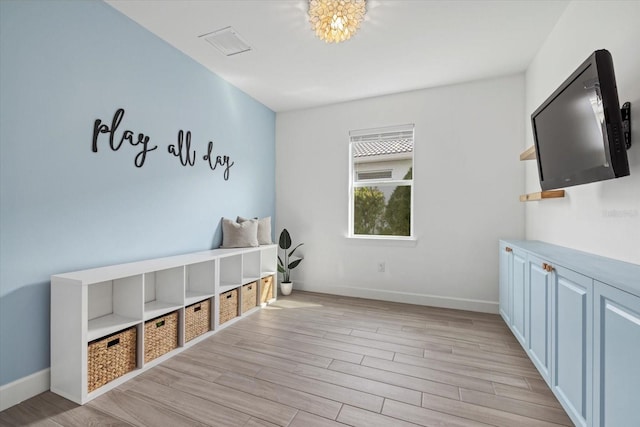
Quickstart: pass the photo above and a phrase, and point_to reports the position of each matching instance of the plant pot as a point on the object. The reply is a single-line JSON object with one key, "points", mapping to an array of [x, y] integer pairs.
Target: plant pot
{"points": [[286, 287]]}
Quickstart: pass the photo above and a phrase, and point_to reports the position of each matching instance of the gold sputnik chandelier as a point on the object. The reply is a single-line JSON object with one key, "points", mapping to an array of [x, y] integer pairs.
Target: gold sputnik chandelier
{"points": [[335, 21]]}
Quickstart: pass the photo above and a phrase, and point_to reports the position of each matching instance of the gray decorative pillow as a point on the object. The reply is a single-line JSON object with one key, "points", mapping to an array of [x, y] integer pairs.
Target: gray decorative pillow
{"points": [[264, 229], [239, 235]]}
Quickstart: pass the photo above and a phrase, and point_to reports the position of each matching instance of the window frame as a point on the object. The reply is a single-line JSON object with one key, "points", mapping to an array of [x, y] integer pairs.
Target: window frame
{"points": [[354, 183]]}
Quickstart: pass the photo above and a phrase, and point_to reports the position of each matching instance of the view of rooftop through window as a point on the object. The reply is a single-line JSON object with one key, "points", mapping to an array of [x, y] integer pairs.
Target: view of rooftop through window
{"points": [[382, 182]]}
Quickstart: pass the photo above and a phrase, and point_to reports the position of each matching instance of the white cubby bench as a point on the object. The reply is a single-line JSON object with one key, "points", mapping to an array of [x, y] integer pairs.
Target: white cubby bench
{"points": [[94, 304]]}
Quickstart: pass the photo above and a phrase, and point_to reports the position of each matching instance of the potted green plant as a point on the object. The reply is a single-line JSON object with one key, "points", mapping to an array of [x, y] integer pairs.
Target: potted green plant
{"points": [[286, 264]]}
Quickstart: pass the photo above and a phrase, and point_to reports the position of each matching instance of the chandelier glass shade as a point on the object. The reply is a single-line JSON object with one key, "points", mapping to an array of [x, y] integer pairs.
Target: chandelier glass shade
{"points": [[335, 21]]}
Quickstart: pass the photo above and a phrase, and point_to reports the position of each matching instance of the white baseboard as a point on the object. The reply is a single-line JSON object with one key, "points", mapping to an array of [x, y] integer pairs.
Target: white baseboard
{"points": [[24, 388], [405, 297]]}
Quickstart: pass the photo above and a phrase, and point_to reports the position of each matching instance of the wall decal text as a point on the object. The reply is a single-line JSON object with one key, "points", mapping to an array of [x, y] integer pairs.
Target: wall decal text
{"points": [[181, 149]]}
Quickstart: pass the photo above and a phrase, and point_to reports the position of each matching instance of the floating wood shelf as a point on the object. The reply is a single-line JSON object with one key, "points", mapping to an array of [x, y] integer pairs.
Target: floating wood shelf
{"points": [[552, 194], [529, 153]]}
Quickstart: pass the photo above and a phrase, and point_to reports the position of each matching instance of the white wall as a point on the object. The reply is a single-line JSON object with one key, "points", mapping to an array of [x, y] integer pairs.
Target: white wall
{"points": [[604, 217], [467, 180]]}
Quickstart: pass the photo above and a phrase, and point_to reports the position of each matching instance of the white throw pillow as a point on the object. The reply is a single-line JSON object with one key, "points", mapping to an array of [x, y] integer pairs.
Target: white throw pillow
{"points": [[264, 229], [239, 235]]}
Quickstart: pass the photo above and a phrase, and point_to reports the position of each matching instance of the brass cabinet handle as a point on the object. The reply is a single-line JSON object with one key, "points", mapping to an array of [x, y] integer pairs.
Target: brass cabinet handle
{"points": [[508, 249], [547, 267]]}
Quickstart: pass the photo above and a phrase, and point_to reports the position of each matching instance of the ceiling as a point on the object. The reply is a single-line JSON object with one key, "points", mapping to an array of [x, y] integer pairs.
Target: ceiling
{"points": [[402, 45]]}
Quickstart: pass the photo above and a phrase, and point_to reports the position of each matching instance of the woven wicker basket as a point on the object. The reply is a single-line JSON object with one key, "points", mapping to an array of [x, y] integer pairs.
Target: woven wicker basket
{"points": [[266, 289], [249, 294], [197, 319], [110, 357], [160, 336], [228, 305]]}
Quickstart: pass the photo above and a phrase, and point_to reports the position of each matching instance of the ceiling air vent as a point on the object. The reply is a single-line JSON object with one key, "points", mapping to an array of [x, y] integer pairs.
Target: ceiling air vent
{"points": [[227, 41]]}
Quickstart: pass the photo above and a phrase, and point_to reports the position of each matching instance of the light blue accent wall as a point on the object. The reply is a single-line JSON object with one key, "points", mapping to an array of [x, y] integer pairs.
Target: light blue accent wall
{"points": [[64, 64]]}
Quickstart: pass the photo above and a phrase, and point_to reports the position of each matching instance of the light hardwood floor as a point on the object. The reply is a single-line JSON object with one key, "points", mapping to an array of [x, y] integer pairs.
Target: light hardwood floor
{"points": [[322, 360]]}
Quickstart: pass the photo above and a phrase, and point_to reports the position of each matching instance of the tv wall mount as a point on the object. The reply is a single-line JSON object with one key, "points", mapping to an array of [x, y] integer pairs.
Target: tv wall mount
{"points": [[626, 124]]}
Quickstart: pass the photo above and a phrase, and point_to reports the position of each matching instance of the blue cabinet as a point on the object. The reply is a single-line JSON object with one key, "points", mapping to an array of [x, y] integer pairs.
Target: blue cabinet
{"points": [[538, 298], [572, 331], [617, 357], [519, 291], [577, 316], [505, 283]]}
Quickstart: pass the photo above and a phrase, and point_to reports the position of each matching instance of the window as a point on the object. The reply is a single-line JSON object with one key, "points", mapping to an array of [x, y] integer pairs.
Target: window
{"points": [[381, 182]]}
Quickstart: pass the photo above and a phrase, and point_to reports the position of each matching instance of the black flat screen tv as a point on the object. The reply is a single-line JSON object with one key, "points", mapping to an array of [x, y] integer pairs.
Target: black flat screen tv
{"points": [[578, 131]]}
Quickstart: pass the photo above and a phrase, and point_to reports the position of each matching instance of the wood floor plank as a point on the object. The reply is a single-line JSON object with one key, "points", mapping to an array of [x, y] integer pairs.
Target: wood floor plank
{"points": [[436, 359], [430, 374], [254, 406], [70, 414], [319, 388], [366, 385], [255, 359], [139, 412], [409, 342], [339, 345], [427, 338], [255, 422], [519, 360], [319, 323], [539, 386], [19, 415], [315, 349], [219, 361], [506, 404], [272, 330], [286, 353], [382, 345], [304, 419], [424, 416], [466, 370], [307, 402], [401, 380], [185, 364], [233, 334], [360, 418], [479, 413], [445, 333], [188, 405], [546, 399], [503, 350]]}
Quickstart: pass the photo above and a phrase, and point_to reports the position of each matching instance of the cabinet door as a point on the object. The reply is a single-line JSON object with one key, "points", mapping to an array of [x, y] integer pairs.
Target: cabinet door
{"points": [[616, 357], [572, 377], [539, 315], [506, 266], [519, 277]]}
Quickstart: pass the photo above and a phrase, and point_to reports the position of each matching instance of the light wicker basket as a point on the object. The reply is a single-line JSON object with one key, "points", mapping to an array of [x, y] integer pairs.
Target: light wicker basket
{"points": [[228, 305], [197, 319], [249, 295], [160, 336], [110, 357], [266, 289]]}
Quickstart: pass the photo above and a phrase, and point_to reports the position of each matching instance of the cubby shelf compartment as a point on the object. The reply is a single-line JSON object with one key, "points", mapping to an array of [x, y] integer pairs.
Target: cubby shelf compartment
{"points": [[113, 305], [551, 194], [230, 272], [250, 267], [200, 282], [269, 261], [163, 292], [93, 304]]}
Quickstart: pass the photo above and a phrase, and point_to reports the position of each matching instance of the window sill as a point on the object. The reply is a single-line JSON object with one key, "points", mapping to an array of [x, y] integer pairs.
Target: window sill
{"points": [[383, 240]]}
